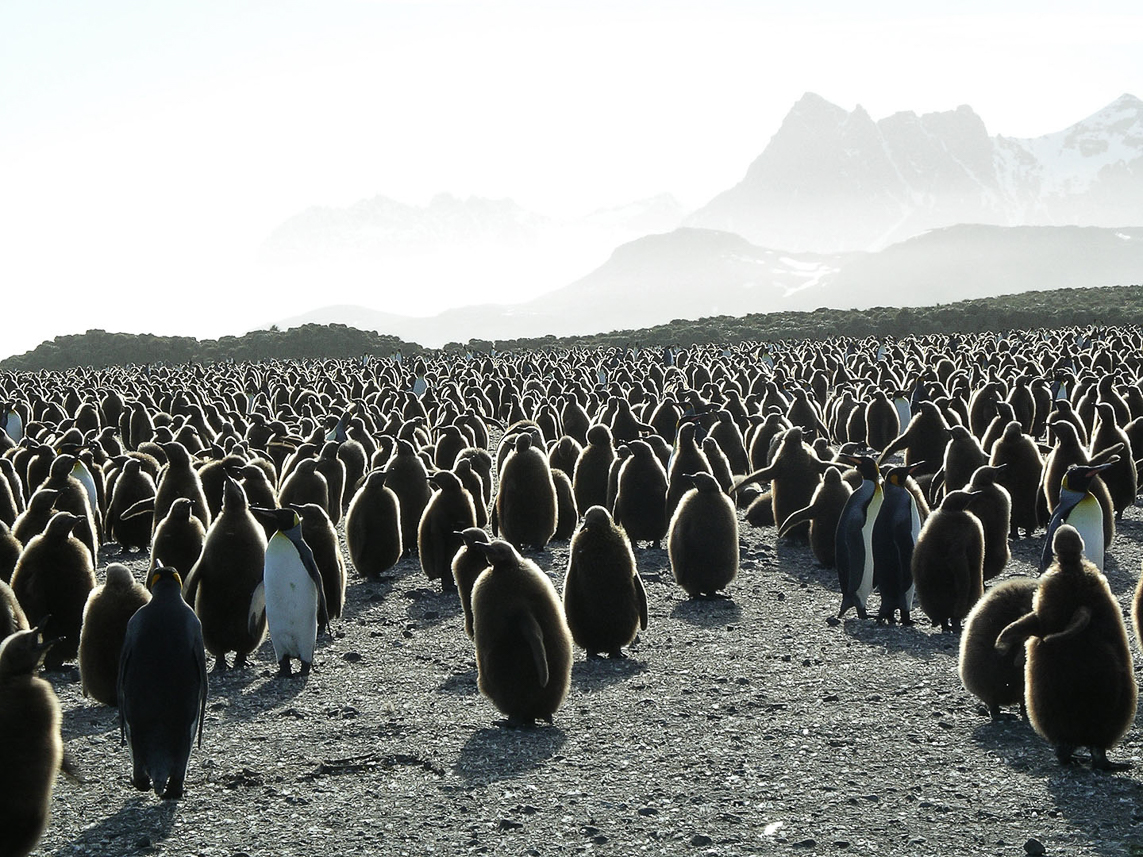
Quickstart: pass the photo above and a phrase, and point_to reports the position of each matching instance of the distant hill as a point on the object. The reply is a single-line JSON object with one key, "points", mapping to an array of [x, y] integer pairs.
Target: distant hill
{"points": [[834, 180], [691, 274]]}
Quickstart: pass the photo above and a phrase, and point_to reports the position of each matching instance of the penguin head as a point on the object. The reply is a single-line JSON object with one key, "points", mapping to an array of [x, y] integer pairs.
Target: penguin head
{"points": [[986, 474], [164, 577], [119, 576], [866, 465], [23, 652], [958, 501], [899, 475], [1067, 545], [499, 553], [445, 480], [1079, 477], [60, 525], [281, 520], [473, 536], [596, 518], [704, 482]]}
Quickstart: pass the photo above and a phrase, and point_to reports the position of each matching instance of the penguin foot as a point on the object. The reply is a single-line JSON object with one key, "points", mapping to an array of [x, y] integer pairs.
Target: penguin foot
{"points": [[220, 665], [594, 656], [141, 781], [284, 668], [305, 670], [174, 789], [516, 722], [618, 655], [1064, 753], [240, 661], [1100, 762]]}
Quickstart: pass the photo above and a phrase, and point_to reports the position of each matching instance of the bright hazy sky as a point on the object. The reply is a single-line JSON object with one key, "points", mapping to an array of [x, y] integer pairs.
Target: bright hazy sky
{"points": [[148, 148]]}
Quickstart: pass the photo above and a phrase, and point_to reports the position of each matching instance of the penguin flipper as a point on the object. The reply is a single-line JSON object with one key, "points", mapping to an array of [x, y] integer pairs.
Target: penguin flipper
{"points": [[257, 612], [1080, 620], [1026, 626], [146, 506], [534, 636], [801, 516], [641, 600]]}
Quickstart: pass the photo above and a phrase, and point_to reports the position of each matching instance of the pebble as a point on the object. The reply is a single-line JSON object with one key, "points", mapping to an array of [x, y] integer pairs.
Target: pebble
{"points": [[1034, 847], [699, 840]]}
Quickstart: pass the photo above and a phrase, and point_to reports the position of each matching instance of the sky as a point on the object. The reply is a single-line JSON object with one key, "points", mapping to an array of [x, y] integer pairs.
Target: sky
{"points": [[147, 150]]}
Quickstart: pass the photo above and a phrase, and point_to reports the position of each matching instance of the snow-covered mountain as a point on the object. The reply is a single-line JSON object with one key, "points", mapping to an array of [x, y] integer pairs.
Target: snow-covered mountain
{"points": [[831, 180], [695, 273]]}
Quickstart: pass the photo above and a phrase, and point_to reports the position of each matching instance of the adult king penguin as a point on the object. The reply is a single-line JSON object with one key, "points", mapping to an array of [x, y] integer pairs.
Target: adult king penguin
{"points": [[291, 593], [162, 687], [854, 544], [1079, 508]]}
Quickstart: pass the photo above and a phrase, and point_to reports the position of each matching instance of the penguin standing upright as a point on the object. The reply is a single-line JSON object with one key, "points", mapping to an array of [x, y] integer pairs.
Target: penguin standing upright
{"points": [[1080, 508], [854, 542], [994, 678], [162, 687], [702, 540], [604, 599], [373, 526], [54, 577], [948, 561], [822, 514], [222, 583], [894, 537], [291, 596], [105, 616], [467, 565], [450, 510], [30, 742], [1079, 681], [523, 646]]}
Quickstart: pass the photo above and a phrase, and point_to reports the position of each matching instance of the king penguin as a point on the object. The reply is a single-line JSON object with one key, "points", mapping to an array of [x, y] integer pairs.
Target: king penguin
{"points": [[894, 537], [109, 608], [30, 742], [1079, 680], [523, 645], [1080, 508], [854, 543], [162, 687], [291, 593]]}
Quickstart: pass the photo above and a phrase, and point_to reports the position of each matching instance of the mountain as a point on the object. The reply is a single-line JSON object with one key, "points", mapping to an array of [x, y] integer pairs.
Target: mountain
{"points": [[694, 273], [833, 181]]}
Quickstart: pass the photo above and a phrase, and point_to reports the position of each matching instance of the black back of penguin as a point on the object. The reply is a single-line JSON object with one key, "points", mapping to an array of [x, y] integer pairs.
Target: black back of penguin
{"points": [[162, 686]]}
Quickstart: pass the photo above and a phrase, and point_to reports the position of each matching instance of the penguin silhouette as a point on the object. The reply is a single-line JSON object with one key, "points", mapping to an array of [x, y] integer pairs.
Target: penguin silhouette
{"points": [[30, 742], [523, 646], [604, 599], [1079, 679], [162, 687]]}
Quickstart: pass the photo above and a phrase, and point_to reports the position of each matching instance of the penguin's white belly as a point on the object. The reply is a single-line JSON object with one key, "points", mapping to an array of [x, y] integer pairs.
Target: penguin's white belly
{"points": [[1087, 518], [291, 604]]}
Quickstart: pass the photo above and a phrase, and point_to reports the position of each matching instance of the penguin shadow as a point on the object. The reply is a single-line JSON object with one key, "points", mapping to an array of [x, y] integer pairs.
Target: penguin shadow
{"points": [[90, 719], [707, 612], [493, 753], [919, 640], [596, 673], [429, 607], [140, 820], [1010, 738], [1108, 817], [462, 683]]}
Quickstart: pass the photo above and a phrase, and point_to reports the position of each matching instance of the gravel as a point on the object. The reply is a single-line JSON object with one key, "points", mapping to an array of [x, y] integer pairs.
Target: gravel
{"points": [[758, 724]]}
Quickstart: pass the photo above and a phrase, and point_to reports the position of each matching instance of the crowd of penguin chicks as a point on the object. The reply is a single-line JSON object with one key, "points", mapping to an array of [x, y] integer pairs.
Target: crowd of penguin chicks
{"points": [[236, 476]]}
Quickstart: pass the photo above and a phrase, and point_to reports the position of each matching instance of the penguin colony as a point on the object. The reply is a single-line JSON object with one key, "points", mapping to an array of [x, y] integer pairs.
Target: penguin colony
{"points": [[402, 459]]}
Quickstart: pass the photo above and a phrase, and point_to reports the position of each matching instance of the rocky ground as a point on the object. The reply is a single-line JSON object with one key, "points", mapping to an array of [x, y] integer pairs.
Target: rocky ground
{"points": [[753, 725]]}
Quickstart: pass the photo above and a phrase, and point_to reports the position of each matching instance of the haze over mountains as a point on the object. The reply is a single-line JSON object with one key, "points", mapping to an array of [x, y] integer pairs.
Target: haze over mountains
{"points": [[838, 210]]}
